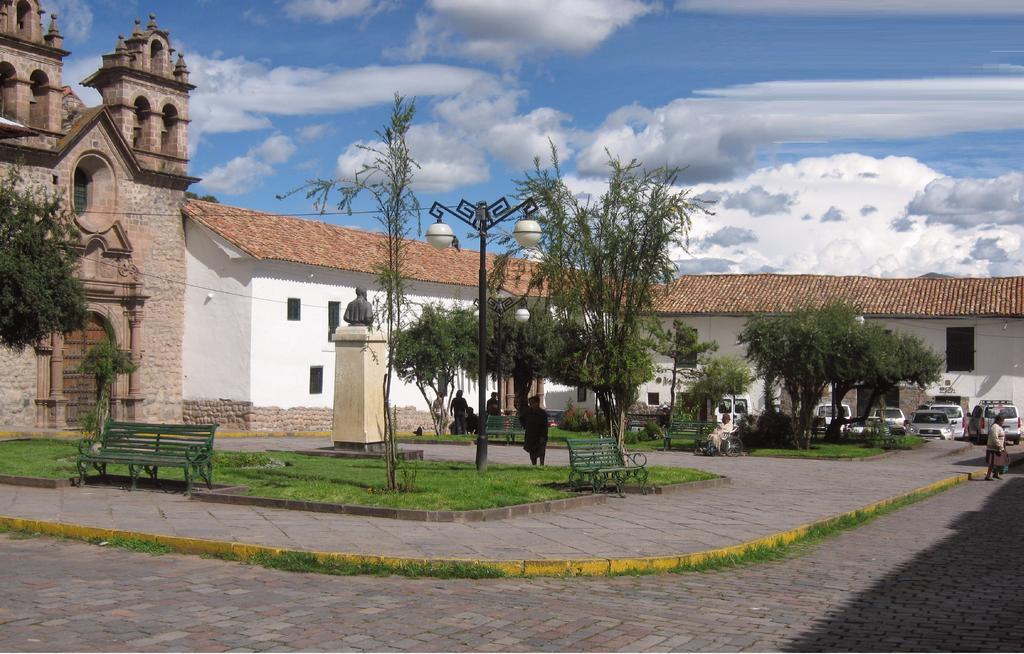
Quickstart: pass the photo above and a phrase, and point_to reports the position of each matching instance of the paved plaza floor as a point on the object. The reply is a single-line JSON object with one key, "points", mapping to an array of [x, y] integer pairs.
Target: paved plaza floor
{"points": [[766, 496], [942, 574]]}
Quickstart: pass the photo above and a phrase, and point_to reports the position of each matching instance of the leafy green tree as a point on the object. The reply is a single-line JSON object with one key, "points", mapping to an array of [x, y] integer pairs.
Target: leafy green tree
{"points": [[39, 291], [794, 348], [683, 346], [205, 198], [721, 377], [602, 263], [387, 178], [527, 349], [105, 361], [907, 359], [432, 350]]}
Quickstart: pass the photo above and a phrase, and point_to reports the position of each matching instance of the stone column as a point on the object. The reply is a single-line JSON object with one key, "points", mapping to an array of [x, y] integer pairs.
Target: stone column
{"points": [[59, 402], [358, 389]]}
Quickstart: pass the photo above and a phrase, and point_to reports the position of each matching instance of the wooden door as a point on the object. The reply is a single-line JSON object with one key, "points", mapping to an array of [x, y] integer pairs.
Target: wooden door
{"points": [[79, 387]]}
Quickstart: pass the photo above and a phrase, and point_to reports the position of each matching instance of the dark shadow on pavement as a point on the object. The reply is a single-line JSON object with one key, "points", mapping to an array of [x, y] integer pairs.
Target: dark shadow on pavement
{"points": [[962, 595]]}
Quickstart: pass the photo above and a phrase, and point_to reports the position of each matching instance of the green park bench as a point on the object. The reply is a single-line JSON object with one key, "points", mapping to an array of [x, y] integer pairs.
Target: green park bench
{"points": [[149, 447], [596, 461], [507, 426], [698, 430]]}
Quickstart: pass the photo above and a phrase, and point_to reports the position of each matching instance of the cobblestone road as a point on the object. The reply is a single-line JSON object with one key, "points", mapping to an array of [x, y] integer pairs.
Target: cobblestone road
{"points": [[940, 575]]}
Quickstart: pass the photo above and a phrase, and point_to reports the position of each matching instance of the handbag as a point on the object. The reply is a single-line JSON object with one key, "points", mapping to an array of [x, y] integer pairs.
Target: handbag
{"points": [[1002, 459]]}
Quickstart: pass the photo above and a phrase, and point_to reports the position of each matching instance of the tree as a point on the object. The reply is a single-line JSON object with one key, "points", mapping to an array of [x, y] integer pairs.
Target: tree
{"points": [[527, 349], [105, 361], [794, 348], [906, 359], [39, 291], [721, 377], [432, 350], [190, 195], [602, 264], [387, 179], [683, 346]]}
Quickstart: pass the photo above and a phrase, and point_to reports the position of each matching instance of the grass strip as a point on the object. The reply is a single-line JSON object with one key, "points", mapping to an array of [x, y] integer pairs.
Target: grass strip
{"points": [[814, 534], [761, 551]]}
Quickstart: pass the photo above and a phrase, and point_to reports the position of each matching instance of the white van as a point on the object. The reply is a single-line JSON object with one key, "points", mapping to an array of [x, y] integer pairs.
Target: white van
{"points": [[823, 416], [737, 406]]}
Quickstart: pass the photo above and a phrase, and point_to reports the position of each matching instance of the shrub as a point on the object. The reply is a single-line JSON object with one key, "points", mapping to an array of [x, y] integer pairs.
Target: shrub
{"points": [[652, 431], [770, 429]]}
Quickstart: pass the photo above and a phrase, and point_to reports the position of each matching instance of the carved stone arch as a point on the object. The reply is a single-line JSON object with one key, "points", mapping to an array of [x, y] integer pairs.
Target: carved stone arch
{"points": [[159, 56], [94, 190], [115, 294]]}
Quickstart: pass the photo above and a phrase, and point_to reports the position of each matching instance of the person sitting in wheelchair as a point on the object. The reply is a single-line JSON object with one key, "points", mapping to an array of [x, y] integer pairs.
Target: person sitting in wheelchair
{"points": [[720, 434]]}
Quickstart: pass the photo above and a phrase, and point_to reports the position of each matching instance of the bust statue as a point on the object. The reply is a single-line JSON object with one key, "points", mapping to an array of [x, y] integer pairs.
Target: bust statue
{"points": [[359, 311]]}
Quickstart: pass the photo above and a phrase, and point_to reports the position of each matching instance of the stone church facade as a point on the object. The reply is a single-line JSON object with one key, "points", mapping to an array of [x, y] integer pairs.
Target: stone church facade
{"points": [[122, 168]]}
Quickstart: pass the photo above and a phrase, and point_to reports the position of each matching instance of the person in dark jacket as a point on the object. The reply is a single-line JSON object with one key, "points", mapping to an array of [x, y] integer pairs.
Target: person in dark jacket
{"points": [[535, 424], [472, 421]]}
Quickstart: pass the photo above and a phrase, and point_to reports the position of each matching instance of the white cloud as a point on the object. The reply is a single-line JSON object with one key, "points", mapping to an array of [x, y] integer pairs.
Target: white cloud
{"points": [[275, 150], [716, 135], [965, 203], [254, 17], [313, 132], [759, 202], [237, 94], [334, 10], [242, 174], [74, 18], [506, 30], [857, 7], [833, 215], [730, 237], [445, 161]]}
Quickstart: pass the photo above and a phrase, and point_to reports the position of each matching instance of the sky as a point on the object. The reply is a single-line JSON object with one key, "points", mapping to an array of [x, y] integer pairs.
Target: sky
{"points": [[847, 137]]}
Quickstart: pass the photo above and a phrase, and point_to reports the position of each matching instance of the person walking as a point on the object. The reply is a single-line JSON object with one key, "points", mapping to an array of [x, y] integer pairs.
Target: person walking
{"points": [[458, 408], [535, 424], [995, 451]]}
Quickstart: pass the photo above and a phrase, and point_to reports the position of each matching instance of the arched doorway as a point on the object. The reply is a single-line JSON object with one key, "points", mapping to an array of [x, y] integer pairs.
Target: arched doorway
{"points": [[79, 387]]}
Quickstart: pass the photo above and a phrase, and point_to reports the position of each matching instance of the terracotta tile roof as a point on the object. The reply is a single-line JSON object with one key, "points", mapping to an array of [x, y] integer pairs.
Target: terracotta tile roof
{"points": [[905, 297], [283, 238]]}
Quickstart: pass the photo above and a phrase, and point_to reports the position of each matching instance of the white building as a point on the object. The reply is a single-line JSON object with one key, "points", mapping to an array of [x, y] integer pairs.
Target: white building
{"points": [[263, 294], [264, 291]]}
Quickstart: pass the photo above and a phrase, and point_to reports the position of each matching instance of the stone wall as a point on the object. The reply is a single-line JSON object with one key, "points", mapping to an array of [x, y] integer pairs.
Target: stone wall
{"points": [[17, 387], [229, 414], [243, 416]]}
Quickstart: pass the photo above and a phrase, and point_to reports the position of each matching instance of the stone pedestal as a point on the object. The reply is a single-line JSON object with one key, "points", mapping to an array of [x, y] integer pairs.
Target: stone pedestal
{"points": [[358, 390]]}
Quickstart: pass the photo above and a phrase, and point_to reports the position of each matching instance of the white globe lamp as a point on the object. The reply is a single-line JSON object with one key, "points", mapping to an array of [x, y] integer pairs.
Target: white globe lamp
{"points": [[440, 235], [527, 233]]}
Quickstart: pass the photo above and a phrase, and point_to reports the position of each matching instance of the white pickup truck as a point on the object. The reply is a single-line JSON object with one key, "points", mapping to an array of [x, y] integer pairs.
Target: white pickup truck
{"points": [[823, 416]]}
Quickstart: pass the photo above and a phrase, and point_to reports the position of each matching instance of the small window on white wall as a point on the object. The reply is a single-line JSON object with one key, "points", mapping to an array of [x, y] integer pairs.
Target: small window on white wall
{"points": [[294, 308], [653, 399], [316, 380], [581, 394]]}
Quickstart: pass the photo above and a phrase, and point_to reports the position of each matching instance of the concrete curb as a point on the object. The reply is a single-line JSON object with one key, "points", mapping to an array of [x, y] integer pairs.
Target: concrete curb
{"points": [[518, 567]]}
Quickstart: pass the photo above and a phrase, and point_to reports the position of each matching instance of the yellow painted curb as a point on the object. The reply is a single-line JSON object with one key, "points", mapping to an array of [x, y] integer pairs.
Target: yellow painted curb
{"points": [[515, 568]]}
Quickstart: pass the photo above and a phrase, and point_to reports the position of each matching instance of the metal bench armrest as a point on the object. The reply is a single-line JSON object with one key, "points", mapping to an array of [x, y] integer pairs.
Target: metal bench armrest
{"points": [[638, 459]]}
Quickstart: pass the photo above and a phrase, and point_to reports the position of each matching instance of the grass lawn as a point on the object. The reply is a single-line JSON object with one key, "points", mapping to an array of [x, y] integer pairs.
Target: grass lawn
{"points": [[850, 450], [438, 485]]}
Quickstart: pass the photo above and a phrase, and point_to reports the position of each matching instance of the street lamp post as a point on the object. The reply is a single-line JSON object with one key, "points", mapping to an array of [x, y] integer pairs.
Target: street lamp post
{"points": [[500, 306], [482, 218]]}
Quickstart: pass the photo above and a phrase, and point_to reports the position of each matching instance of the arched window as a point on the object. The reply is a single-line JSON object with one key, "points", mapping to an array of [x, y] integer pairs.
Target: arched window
{"points": [[169, 136], [142, 115], [8, 91], [93, 186], [39, 113], [25, 17], [81, 198], [157, 57]]}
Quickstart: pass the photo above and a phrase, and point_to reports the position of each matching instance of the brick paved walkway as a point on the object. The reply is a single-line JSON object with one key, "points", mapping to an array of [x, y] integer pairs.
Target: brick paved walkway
{"points": [[767, 496], [928, 577]]}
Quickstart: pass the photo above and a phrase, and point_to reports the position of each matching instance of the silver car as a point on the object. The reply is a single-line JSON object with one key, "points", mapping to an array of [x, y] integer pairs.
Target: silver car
{"points": [[929, 423], [893, 417]]}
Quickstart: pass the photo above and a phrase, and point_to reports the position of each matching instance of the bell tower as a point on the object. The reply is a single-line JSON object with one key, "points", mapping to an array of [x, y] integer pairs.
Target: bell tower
{"points": [[147, 95], [31, 61]]}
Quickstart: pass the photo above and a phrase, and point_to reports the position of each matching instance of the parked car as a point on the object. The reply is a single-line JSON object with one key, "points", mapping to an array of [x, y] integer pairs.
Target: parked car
{"points": [[931, 423], [823, 416], [983, 415], [957, 419], [893, 417], [554, 417]]}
